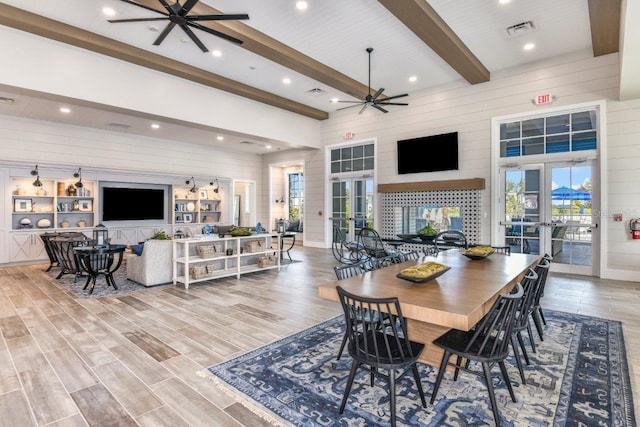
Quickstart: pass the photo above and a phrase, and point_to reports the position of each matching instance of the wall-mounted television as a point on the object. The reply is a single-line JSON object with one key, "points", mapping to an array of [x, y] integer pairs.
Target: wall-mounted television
{"points": [[428, 153], [133, 203]]}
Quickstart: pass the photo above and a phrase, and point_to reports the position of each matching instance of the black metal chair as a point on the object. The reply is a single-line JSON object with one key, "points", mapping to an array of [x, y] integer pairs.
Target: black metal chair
{"points": [[487, 344], [377, 348], [66, 257], [536, 311], [408, 256], [450, 239], [287, 242], [529, 285], [349, 270], [98, 260], [372, 244], [344, 252], [49, 248]]}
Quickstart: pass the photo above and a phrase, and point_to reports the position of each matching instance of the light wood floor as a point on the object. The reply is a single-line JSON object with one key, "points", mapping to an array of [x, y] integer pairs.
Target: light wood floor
{"points": [[132, 360]]}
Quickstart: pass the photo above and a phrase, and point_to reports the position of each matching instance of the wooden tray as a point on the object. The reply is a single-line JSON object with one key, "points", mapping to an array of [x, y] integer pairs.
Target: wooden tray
{"points": [[475, 257], [423, 279]]}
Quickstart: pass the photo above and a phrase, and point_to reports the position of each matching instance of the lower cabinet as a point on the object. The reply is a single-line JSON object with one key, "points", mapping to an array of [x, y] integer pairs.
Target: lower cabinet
{"points": [[200, 259], [26, 246]]}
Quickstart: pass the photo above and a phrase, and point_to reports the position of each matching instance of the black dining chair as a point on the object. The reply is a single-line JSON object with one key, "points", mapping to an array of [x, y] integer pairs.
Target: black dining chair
{"points": [[409, 256], [379, 343], [349, 270], [486, 344], [502, 249], [521, 323], [536, 311], [450, 239]]}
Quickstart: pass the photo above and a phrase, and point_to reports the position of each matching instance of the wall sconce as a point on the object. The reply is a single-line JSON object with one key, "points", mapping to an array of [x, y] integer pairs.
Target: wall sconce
{"points": [[280, 200], [78, 174], [36, 173], [192, 189], [217, 184]]}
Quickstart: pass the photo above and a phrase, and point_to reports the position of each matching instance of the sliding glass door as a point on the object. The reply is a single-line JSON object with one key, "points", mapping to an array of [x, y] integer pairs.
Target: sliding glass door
{"points": [[352, 205]]}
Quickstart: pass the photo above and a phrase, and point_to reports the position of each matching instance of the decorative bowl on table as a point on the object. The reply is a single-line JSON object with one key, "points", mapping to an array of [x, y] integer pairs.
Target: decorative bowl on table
{"points": [[426, 237], [240, 232], [423, 272], [478, 252]]}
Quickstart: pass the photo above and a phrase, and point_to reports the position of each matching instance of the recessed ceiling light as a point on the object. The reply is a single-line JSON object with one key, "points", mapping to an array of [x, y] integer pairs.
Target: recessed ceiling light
{"points": [[108, 11], [302, 5], [334, 100], [220, 138], [268, 147], [65, 110], [286, 80], [504, 1], [216, 53], [529, 46], [155, 126], [413, 79]]}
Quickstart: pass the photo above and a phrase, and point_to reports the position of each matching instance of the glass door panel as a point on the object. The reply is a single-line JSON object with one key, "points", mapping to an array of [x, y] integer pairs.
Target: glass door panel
{"points": [[352, 205], [570, 217], [521, 221]]}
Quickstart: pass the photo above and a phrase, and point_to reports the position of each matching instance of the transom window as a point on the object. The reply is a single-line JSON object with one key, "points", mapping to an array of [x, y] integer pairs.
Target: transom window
{"points": [[561, 133], [352, 159]]}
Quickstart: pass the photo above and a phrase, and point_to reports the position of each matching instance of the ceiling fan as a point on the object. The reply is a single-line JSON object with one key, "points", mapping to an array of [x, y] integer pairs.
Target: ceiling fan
{"points": [[178, 15], [374, 100]]}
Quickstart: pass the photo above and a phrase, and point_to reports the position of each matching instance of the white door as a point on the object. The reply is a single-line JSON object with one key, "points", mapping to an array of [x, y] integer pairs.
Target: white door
{"points": [[547, 208], [352, 205]]}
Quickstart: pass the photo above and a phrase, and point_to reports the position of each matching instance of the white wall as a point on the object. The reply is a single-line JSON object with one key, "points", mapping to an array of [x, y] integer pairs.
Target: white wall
{"points": [[469, 109]]}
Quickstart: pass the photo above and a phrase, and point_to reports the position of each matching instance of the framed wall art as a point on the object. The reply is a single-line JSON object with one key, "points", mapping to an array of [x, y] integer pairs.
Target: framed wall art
{"points": [[22, 205]]}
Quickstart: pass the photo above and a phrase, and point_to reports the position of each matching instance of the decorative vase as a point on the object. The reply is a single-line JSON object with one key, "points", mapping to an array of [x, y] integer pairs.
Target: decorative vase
{"points": [[82, 223], [64, 224]]}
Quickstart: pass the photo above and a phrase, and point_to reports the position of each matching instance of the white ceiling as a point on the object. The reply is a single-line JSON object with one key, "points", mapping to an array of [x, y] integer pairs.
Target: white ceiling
{"points": [[334, 32]]}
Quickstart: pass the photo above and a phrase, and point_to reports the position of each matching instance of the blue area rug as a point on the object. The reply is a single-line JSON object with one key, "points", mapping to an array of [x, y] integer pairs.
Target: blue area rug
{"points": [[578, 377]]}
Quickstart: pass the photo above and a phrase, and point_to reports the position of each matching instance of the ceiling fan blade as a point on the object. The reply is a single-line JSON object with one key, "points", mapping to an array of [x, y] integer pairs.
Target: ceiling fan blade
{"points": [[352, 102], [391, 103], [195, 39], [377, 94], [164, 33], [388, 98], [167, 6], [143, 6], [350, 106], [113, 21], [379, 108], [364, 107], [228, 17], [214, 32], [186, 7]]}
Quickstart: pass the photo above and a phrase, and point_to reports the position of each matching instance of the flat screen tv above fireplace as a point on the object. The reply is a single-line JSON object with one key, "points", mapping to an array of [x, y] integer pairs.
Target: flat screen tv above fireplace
{"points": [[428, 153]]}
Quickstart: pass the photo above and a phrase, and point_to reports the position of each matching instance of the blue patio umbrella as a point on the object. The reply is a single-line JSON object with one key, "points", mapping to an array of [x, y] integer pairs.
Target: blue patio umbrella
{"points": [[565, 193]]}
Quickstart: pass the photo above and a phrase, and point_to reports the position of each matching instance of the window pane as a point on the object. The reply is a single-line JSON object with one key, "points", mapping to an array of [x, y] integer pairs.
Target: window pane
{"points": [[532, 127], [335, 167], [368, 150], [585, 120], [358, 151], [510, 148], [532, 146], [335, 155], [510, 130], [558, 124], [345, 153], [584, 141], [345, 166], [368, 163], [358, 164], [558, 144]]}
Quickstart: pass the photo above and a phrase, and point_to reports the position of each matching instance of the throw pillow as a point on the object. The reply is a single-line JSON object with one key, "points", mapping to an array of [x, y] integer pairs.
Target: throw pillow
{"points": [[137, 249], [293, 225]]}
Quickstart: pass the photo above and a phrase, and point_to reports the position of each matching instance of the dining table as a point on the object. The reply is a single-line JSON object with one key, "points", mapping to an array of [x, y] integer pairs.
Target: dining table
{"points": [[459, 298]]}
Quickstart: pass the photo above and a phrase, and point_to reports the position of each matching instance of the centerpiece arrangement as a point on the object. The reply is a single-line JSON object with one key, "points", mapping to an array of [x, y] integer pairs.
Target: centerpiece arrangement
{"points": [[427, 233], [423, 272]]}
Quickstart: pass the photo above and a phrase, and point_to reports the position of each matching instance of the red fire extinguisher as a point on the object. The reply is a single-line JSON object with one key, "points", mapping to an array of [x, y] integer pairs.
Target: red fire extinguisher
{"points": [[634, 226]]}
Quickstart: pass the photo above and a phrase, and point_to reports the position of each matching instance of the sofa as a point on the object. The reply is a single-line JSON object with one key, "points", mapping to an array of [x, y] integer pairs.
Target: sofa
{"points": [[155, 264]]}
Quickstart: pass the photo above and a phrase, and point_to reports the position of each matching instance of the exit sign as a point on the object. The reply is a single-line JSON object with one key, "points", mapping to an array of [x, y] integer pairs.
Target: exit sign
{"points": [[543, 99]]}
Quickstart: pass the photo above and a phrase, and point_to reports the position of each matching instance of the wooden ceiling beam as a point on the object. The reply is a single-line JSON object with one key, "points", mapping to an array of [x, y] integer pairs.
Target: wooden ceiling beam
{"points": [[425, 23], [604, 17], [45, 27]]}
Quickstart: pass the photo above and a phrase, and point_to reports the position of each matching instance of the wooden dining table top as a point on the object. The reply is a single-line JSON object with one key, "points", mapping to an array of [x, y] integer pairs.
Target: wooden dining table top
{"points": [[457, 299]]}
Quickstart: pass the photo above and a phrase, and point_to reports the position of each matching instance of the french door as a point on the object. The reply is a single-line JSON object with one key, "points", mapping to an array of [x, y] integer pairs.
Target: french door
{"points": [[549, 208], [352, 205]]}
